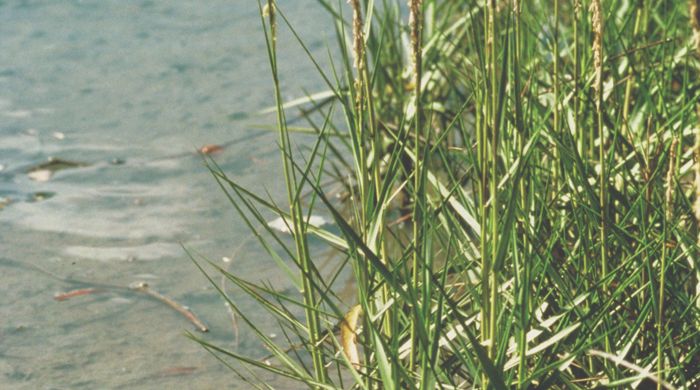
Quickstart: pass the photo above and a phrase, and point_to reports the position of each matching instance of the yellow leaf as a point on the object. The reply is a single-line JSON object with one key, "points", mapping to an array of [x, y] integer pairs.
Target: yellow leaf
{"points": [[348, 335]]}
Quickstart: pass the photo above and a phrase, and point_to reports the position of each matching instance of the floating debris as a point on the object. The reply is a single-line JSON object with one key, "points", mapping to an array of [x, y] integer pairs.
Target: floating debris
{"points": [[40, 175], [4, 201], [39, 196], [283, 225], [58, 135], [43, 172], [211, 149], [74, 293], [139, 287], [57, 164], [185, 311], [117, 161]]}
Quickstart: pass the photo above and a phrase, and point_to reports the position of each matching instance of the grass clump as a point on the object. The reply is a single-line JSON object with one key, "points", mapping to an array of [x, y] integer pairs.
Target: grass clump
{"points": [[520, 208]]}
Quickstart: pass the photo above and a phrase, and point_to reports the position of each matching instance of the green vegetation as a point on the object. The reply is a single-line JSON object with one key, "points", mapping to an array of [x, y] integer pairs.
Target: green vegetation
{"points": [[540, 156]]}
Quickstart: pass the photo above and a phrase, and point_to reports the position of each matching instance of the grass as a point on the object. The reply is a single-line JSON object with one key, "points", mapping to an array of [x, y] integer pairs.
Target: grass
{"points": [[520, 208]]}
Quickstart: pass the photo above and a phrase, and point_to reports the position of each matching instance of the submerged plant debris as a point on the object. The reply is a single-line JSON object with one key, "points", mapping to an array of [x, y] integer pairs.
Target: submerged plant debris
{"points": [[45, 171]]}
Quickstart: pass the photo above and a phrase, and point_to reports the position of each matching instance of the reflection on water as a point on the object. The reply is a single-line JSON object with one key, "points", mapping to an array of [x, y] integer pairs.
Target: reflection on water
{"points": [[123, 93]]}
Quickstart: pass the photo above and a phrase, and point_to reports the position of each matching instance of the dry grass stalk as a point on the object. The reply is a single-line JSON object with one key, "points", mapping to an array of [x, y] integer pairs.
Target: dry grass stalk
{"points": [[695, 21]]}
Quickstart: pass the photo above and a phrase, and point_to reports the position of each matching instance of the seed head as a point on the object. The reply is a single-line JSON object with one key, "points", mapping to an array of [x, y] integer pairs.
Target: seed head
{"points": [[597, 23], [357, 44], [415, 23]]}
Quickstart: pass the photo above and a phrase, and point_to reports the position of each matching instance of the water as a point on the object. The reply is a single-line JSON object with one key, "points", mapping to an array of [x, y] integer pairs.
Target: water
{"points": [[129, 90]]}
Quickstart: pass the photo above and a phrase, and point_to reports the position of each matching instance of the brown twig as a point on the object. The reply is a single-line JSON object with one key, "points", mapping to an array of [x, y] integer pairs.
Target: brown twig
{"points": [[144, 288], [62, 296], [92, 287]]}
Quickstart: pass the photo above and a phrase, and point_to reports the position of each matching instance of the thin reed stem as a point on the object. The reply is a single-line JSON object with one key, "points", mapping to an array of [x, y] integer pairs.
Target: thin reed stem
{"points": [[493, 179], [695, 22], [415, 25], [668, 217], [555, 78], [296, 212], [598, 53], [524, 295]]}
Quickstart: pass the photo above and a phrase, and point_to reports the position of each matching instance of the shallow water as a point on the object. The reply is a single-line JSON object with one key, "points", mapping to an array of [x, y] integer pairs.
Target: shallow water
{"points": [[129, 90]]}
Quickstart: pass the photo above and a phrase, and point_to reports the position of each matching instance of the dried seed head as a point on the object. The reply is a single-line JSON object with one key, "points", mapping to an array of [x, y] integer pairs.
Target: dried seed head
{"points": [[415, 23], [357, 46], [695, 14], [358, 37], [670, 177], [268, 12], [695, 22], [597, 23]]}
